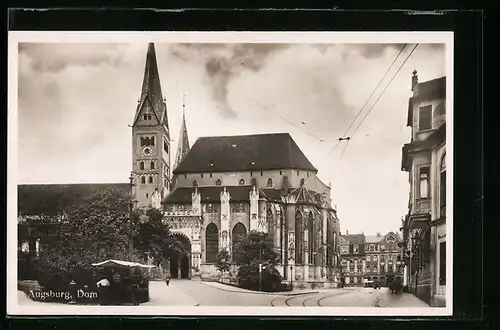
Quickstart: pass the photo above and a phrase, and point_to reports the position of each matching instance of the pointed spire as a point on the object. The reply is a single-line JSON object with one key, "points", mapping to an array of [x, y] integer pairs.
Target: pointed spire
{"points": [[183, 146], [151, 87]]}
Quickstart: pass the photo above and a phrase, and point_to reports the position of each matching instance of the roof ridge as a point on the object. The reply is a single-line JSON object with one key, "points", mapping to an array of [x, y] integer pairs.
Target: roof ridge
{"points": [[242, 135]]}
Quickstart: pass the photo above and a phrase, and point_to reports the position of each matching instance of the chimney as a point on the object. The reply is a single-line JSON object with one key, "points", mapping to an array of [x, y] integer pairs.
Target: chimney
{"points": [[414, 80], [347, 232]]}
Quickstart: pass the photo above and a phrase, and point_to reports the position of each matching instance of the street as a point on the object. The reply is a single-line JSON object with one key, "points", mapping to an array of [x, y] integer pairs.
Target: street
{"points": [[196, 293]]}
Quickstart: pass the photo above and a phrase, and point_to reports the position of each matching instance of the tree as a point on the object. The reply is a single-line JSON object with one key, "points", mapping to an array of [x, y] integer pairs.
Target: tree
{"points": [[254, 249], [153, 238], [100, 228], [222, 261]]}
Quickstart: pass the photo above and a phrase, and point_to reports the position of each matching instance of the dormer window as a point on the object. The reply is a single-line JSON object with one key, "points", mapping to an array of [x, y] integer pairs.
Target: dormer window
{"points": [[302, 181], [147, 116], [218, 182], [242, 182], [425, 118], [269, 183], [195, 183]]}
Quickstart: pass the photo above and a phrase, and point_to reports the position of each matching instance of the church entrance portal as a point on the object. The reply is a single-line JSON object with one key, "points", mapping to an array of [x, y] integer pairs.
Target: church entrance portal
{"points": [[180, 264]]}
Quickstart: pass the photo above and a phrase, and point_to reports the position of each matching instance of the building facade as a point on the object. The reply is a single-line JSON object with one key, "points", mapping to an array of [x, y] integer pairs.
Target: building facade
{"points": [[352, 254], [383, 258], [424, 158], [228, 186], [371, 257]]}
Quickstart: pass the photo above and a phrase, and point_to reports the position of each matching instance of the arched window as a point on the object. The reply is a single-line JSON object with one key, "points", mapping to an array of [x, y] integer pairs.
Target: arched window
{"points": [[212, 242], [152, 165], [218, 182], [442, 186], [141, 165], [239, 232], [143, 180], [242, 182], [299, 238], [195, 183], [310, 239], [269, 183], [302, 181], [372, 248], [150, 179]]}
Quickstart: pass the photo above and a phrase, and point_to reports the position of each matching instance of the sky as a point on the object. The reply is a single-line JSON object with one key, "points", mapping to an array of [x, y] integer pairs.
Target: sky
{"points": [[75, 102]]}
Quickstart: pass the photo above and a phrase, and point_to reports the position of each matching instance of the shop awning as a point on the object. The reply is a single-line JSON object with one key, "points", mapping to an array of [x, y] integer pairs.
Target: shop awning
{"points": [[121, 264]]}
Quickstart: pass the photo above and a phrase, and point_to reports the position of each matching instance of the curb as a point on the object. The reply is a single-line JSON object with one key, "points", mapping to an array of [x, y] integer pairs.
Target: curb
{"points": [[259, 292]]}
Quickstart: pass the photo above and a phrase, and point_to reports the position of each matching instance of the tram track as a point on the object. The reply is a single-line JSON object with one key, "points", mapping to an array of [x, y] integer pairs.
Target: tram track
{"points": [[329, 296], [307, 297]]}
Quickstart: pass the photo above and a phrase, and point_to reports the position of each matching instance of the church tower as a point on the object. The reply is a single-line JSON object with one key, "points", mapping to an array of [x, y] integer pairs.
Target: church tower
{"points": [[151, 139], [183, 145]]}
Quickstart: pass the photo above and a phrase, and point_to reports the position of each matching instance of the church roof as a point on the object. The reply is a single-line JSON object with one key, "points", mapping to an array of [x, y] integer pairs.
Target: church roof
{"points": [[244, 153], [41, 198], [151, 88], [210, 194]]}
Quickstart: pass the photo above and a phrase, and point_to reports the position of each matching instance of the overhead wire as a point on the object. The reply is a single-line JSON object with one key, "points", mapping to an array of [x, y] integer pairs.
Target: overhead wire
{"points": [[367, 100], [381, 94], [386, 87], [289, 122]]}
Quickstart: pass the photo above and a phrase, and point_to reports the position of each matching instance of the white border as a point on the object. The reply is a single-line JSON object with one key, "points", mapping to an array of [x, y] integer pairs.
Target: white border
{"points": [[13, 308]]}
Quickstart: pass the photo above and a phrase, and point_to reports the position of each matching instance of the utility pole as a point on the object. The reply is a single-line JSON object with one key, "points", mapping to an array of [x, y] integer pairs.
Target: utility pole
{"points": [[260, 267], [131, 210]]}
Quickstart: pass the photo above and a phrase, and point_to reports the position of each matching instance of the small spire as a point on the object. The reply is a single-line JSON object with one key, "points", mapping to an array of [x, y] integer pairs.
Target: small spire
{"points": [[183, 146], [414, 80]]}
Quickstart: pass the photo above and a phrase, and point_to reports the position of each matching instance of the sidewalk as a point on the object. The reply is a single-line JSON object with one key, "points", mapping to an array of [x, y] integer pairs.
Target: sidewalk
{"points": [[230, 288], [161, 295], [404, 300]]}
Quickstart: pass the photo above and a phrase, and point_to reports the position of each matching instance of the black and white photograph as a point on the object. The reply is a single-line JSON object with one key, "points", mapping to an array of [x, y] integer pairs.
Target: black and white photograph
{"points": [[230, 173]]}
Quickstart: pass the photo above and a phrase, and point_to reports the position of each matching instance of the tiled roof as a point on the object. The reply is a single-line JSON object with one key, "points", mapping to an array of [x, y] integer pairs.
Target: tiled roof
{"points": [[304, 195], [182, 195], [372, 238], [244, 153], [40, 198], [355, 238], [427, 90]]}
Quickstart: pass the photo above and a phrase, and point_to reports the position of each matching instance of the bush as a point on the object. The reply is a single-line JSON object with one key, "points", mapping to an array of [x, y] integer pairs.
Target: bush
{"points": [[248, 278], [26, 267]]}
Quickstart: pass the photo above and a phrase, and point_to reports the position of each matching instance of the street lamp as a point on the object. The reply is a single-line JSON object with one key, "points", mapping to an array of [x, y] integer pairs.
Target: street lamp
{"points": [[131, 210], [291, 261], [261, 267]]}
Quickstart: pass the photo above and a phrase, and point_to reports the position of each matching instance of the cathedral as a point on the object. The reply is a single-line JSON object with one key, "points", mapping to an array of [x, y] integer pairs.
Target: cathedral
{"points": [[222, 187]]}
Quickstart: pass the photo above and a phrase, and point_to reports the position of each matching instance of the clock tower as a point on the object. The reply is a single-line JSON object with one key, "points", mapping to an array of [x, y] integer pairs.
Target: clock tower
{"points": [[151, 140]]}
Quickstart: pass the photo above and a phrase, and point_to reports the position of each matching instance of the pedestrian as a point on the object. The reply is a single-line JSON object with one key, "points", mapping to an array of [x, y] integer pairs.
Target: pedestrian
{"points": [[167, 279]]}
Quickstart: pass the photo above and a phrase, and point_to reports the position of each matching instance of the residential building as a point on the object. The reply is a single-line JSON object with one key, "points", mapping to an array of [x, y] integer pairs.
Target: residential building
{"points": [[371, 257], [352, 254], [383, 258], [424, 158]]}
